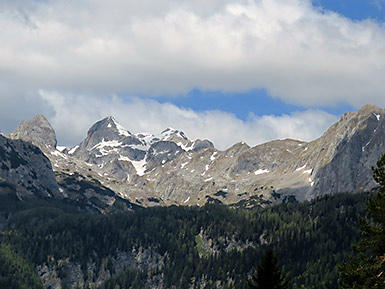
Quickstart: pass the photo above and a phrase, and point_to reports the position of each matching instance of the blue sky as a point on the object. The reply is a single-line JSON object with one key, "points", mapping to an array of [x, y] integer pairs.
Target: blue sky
{"points": [[355, 9], [256, 101], [226, 70]]}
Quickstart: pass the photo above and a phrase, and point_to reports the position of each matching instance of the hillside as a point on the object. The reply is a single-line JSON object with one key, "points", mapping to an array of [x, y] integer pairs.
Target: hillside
{"points": [[185, 247]]}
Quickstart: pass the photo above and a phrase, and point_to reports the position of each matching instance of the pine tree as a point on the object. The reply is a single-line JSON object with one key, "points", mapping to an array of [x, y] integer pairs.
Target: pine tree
{"points": [[268, 274], [367, 270]]}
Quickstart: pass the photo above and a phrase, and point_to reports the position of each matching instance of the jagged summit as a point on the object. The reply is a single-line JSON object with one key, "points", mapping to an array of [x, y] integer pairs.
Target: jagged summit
{"points": [[171, 169], [170, 132], [109, 128], [37, 131], [370, 108]]}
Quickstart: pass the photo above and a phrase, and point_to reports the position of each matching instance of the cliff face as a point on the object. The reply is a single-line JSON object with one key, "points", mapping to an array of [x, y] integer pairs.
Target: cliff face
{"points": [[25, 167]]}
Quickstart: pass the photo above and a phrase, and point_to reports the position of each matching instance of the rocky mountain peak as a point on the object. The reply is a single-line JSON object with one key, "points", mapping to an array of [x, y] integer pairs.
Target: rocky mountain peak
{"points": [[37, 131], [171, 169], [109, 128], [169, 133], [370, 108]]}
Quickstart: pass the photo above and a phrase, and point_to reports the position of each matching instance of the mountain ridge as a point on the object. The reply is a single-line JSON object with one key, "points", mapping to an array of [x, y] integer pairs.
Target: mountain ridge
{"points": [[171, 169]]}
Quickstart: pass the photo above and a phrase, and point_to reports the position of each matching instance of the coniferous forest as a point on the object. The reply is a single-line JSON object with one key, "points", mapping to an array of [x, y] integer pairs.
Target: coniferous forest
{"points": [[214, 246]]}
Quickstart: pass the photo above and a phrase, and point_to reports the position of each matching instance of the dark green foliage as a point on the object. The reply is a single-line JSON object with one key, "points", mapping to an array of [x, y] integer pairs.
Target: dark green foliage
{"points": [[130, 278], [367, 270], [268, 274], [309, 238], [15, 272]]}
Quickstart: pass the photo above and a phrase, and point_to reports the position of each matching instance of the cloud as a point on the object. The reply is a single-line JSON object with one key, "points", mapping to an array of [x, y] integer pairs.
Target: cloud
{"points": [[377, 3], [72, 115], [299, 53]]}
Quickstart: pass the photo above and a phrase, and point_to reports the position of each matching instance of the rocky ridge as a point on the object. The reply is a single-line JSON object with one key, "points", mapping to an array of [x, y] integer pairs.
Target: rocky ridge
{"points": [[171, 169]]}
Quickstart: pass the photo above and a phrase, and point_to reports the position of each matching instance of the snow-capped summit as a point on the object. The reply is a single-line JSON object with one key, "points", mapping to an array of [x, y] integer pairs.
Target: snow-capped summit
{"points": [[169, 133], [108, 129], [172, 169]]}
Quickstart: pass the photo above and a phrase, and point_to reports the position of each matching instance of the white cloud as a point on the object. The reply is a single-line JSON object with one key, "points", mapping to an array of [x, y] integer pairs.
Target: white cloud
{"points": [[300, 54], [73, 115]]}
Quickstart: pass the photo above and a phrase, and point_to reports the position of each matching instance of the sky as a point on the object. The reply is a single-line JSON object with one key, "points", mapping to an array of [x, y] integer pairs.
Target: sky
{"points": [[225, 70]]}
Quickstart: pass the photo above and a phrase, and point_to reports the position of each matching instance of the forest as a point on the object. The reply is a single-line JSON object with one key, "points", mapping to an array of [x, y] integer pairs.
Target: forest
{"points": [[214, 246]]}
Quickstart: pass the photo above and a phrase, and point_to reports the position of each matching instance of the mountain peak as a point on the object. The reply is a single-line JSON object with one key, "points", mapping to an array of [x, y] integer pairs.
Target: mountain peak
{"points": [[171, 132], [369, 108], [37, 131], [110, 128]]}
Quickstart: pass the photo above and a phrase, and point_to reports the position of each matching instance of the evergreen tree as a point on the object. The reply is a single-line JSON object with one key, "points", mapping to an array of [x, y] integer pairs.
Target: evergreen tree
{"points": [[368, 269], [268, 274], [15, 271]]}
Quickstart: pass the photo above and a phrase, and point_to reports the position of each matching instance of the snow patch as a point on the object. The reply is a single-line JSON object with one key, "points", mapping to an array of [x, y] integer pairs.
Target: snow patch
{"points": [[301, 168], [103, 143], [378, 116], [308, 171], [261, 171], [364, 147], [212, 158], [140, 166], [147, 138], [168, 132], [209, 179], [61, 148], [59, 154], [188, 199], [73, 150], [186, 147], [183, 165], [120, 128]]}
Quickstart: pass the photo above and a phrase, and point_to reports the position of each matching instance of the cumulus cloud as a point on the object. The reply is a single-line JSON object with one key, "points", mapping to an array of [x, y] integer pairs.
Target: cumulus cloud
{"points": [[299, 53], [72, 116]]}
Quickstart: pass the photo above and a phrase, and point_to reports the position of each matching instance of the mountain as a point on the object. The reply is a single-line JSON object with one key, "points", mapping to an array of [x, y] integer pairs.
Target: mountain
{"points": [[169, 168], [37, 131], [25, 169], [29, 167]]}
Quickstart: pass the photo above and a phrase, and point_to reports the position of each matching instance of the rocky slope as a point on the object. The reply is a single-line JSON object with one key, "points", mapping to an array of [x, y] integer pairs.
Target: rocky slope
{"points": [[24, 167], [171, 169]]}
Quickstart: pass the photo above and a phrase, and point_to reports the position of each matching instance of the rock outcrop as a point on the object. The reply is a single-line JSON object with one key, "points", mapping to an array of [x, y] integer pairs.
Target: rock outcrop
{"points": [[25, 167]]}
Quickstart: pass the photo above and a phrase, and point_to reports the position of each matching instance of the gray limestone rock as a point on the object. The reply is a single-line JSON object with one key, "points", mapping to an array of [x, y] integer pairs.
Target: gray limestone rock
{"points": [[27, 168], [38, 131]]}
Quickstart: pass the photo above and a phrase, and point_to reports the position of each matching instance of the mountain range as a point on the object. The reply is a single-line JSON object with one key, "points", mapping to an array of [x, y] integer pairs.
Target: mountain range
{"points": [[113, 166]]}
